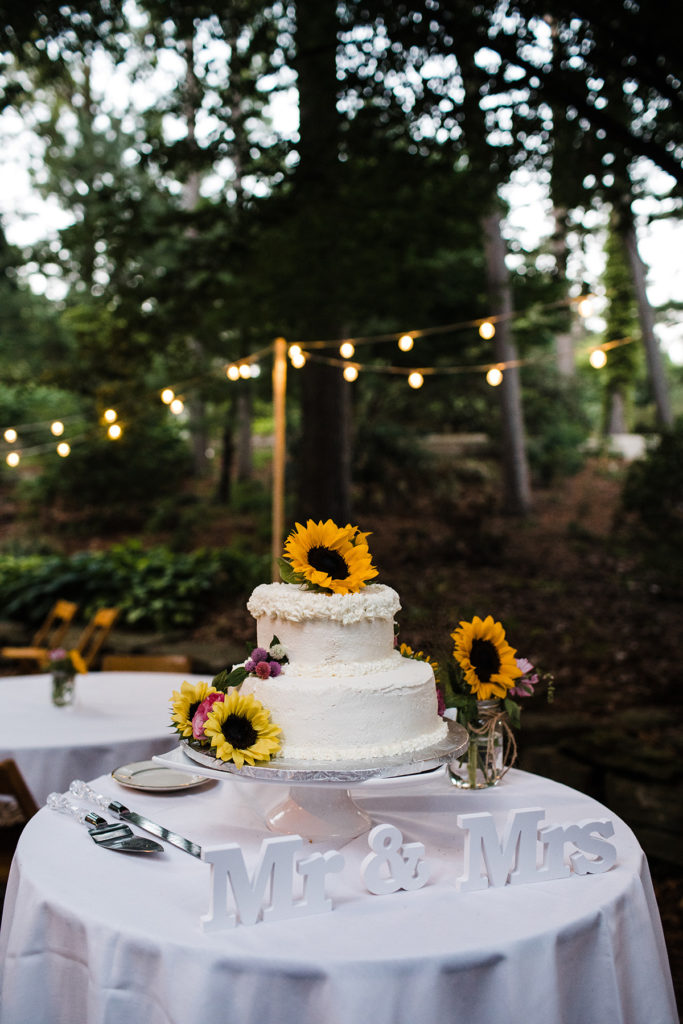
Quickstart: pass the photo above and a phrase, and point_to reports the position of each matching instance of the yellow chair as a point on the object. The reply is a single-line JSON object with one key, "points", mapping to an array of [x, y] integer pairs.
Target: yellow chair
{"points": [[95, 633], [146, 663], [50, 635], [14, 812]]}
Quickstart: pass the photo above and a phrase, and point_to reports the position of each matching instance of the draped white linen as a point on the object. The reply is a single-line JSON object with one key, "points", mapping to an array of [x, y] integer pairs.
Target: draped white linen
{"points": [[93, 936]]}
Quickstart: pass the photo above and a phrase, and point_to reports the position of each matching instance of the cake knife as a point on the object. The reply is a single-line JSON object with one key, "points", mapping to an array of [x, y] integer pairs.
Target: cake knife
{"points": [[85, 792], [110, 836]]}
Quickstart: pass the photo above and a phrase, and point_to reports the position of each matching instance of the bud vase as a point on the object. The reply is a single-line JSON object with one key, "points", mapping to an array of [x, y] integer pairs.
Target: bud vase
{"points": [[482, 764], [63, 685]]}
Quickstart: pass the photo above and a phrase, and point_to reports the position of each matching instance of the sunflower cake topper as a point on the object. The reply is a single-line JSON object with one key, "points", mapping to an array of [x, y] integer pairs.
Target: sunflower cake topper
{"points": [[327, 558]]}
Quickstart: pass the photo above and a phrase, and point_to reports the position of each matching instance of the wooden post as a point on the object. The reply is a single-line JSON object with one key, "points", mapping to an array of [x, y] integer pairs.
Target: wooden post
{"points": [[279, 451]]}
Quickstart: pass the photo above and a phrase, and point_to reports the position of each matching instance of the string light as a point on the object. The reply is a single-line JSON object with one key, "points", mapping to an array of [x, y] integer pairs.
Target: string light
{"points": [[405, 342], [416, 380], [254, 370], [585, 307], [350, 373], [293, 351], [245, 371], [494, 377], [597, 358], [232, 372], [110, 416], [57, 428], [486, 330], [167, 396], [10, 435], [114, 431], [298, 359], [64, 449], [346, 350], [177, 406], [12, 459]]}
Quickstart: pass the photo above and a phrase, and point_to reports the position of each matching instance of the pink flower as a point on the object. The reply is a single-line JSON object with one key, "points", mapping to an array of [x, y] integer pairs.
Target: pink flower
{"points": [[202, 713], [262, 669], [528, 680], [440, 702], [58, 654]]}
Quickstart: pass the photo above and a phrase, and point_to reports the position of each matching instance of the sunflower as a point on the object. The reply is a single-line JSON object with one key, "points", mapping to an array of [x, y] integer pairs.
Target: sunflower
{"points": [[485, 657], [329, 557], [185, 703], [240, 730], [407, 651]]}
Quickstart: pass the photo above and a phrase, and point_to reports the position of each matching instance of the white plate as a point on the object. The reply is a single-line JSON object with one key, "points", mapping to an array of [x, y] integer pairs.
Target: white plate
{"points": [[152, 776]]}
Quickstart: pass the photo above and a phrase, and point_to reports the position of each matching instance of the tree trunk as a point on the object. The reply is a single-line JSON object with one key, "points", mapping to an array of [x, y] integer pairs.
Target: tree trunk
{"points": [[660, 392], [244, 460], [324, 457], [515, 467]]}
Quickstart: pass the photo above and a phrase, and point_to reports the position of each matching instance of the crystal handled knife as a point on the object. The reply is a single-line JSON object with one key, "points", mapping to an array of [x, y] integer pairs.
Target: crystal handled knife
{"points": [[85, 792], [110, 836]]}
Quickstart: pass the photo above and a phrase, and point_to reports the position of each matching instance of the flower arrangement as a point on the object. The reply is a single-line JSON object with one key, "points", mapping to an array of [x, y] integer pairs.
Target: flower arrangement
{"points": [[327, 558], [234, 726], [482, 682], [67, 662]]}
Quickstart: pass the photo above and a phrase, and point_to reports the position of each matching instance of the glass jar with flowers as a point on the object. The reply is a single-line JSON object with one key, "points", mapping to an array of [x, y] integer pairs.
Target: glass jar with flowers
{"points": [[479, 684], [63, 666]]}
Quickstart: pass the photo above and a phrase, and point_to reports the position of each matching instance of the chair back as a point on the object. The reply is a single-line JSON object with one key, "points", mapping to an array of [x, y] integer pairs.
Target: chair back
{"points": [[146, 663], [15, 811], [53, 630], [95, 633]]}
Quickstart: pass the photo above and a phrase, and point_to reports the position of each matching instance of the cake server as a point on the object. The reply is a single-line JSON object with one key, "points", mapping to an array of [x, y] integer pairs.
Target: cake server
{"points": [[85, 792], [112, 836]]}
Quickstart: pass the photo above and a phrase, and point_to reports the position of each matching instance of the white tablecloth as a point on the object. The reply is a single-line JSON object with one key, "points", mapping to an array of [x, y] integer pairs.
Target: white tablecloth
{"points": [[117, 717], [93, 936]]}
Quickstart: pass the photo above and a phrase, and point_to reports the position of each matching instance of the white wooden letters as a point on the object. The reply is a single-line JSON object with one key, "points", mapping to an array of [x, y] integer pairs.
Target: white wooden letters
{"points": [[528, 851]]}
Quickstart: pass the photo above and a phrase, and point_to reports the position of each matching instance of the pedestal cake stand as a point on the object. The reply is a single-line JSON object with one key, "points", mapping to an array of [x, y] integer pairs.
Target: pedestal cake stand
{"points": [[318, 804]]}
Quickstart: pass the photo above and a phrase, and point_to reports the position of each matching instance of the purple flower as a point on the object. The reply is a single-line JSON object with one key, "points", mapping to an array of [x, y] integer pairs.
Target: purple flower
{"points": [[259, 654], [250, 665], [58, 654], [527, 681], [275, 668], [440, 702], [202, 713], [262, 669]]}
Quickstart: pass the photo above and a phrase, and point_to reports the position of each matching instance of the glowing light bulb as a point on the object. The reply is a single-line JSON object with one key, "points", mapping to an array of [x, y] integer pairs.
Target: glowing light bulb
{"points": [[114, 431], [294, 351], [494, 377], [110, 415], [405, 343], [12, 459], [346, 350], [57, 428], [63, 449], [10, 435], [167, 396], [233, 372], [585, 307], [177, 406], [350, 373], [597, 358], [254, 370], [245, 371], [486, 330], [298, 360], [416, 380]]}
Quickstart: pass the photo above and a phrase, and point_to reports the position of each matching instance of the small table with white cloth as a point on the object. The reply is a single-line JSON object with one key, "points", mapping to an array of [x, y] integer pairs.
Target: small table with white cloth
{"points": [[116, 718], [98, 936]]}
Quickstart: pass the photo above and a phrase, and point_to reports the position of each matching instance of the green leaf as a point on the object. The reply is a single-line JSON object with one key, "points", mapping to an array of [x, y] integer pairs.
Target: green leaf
{"points": [[514, 712], [225, 679]]}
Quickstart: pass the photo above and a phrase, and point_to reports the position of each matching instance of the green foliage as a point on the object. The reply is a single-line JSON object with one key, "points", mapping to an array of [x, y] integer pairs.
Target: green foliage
{"points": [[653, 489], [154, 588], [557, 424]]}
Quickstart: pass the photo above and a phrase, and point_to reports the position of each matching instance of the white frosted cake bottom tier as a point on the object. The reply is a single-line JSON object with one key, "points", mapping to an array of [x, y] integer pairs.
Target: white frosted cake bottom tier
{"points": [[349, 718]]}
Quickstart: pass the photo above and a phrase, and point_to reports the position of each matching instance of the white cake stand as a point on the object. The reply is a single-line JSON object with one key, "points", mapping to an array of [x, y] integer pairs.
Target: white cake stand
{"points": [[318, 804]]}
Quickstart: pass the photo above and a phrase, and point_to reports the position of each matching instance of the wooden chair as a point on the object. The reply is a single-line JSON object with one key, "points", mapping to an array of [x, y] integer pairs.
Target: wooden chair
{"points": [[50, 635], [14, 812], [146, 663], [95, 633]]}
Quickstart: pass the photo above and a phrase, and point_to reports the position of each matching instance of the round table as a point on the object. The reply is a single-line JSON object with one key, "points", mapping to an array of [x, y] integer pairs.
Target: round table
{"points": [[97, 936], [116, 718]]}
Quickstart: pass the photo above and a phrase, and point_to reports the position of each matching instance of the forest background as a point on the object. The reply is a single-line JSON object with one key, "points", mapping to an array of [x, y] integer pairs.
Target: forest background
{"points": [[217, 176]]}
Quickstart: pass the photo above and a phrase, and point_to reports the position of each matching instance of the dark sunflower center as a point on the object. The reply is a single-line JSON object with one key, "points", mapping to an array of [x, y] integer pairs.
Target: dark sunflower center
{"points": [[192, 710], [484, 659], [328, 561], [239, 731]]}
